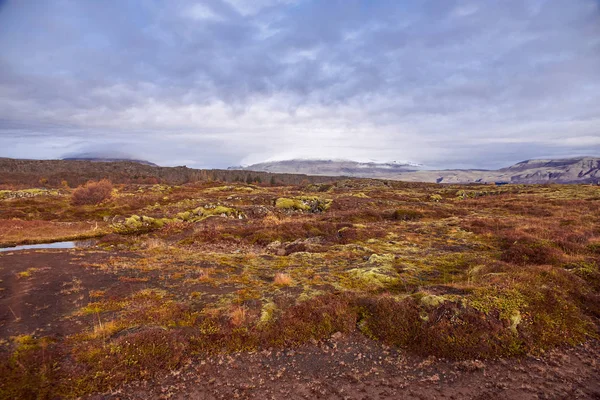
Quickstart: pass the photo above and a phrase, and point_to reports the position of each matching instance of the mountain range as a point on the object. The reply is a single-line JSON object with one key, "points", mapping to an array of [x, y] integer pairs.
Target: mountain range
{"points": [[568, 170], [79, 170]]}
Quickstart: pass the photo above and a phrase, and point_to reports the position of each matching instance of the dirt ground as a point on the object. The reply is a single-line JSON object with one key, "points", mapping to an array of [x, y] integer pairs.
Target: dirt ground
{"points": [[357, 368], [56, 284]]}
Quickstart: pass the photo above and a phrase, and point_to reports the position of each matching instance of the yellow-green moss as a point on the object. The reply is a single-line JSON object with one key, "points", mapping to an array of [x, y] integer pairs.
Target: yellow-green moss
{"points": [[431, 300], [291, 204], [507, 302], [267, 313], [27, 273], [377, 272], [140, 224], [303, 203], [436, 198], [18, 194]]}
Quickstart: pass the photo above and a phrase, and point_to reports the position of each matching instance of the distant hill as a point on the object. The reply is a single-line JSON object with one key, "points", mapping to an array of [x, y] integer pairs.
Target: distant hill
{"points": [[334, 168], [569, 170], [19, 172], [96, 159]]}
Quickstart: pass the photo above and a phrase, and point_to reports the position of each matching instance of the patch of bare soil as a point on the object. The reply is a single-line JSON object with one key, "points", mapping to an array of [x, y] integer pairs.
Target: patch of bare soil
{"points": [[40, 290], [356, 368]]}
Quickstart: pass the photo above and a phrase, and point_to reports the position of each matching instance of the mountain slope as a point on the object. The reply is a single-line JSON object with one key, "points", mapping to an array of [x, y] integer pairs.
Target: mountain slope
{"points": [[101, 159], [569, 170], [334, 168]]}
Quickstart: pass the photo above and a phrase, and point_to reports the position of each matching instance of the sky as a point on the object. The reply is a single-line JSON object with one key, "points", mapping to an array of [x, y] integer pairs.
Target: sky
{"points": [[219, 83]]}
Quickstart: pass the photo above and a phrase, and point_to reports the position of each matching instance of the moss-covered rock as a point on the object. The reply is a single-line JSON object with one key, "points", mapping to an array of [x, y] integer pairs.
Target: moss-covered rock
{"points": [[432, 300], [291, 204], [209, 210], [379, 271], [185, 215], [305, 203], [140, 224]]}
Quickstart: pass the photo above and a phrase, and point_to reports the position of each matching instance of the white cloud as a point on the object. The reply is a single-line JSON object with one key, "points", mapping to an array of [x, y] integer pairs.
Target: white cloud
{"points": [[253, 7], [201, 11]]}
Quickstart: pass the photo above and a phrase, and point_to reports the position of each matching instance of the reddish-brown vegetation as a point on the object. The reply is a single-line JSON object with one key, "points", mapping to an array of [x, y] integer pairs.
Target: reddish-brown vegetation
{"points": [[194, 270], [92, 193]]}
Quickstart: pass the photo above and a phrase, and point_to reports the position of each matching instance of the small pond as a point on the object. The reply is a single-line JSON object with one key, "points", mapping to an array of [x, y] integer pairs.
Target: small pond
{"points": [[55, 245]]}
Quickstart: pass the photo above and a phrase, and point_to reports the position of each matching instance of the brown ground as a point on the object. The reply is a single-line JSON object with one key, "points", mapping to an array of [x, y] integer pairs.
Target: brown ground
{"points": [[357, 368], [58, 284]]}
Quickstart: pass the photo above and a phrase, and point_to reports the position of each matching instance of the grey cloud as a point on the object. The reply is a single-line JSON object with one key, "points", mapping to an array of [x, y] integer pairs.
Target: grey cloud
{"points": [[424, 80]]}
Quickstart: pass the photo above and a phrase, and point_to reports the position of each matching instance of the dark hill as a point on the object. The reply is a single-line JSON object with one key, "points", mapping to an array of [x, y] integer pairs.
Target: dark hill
{"points": [[75, 172]]}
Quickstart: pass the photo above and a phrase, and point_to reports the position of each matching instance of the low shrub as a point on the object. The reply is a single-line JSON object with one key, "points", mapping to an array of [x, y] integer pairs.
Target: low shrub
{"points": [[92, 193]]}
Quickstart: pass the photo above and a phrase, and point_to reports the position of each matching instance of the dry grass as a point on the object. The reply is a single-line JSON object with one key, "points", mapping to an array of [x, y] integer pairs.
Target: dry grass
{"points": [[13, 232], [282, 279], [238, 315]]}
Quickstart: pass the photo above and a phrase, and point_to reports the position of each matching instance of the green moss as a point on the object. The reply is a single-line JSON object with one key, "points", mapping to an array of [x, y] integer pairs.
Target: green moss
{"points": [[27, 273], [310, 293], [140, 224], [432, 300], [185, 216], [508, 302], [201, 213], [378, 272], [24, 343], [594, 247], [585, 270], [291, 204], [267, 314], [101, 306], [515, 319], [25, 193], [219, 210], [383, 259], [303, 203]]}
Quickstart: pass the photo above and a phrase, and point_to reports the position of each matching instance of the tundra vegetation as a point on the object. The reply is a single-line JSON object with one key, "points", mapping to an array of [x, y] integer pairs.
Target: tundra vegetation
{"points": [[182, 272]]}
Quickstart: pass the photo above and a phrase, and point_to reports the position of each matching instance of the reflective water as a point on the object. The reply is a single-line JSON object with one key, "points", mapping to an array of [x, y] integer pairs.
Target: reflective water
{"points": [[55, 245]]}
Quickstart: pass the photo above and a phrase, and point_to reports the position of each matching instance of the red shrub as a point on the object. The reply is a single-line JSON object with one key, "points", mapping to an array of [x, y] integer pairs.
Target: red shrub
{"points": [[92, 193]]}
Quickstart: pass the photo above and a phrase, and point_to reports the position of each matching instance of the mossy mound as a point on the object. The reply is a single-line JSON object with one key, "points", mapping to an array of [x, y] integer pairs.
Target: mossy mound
{"points": [[432, 300], [210, 210], [304, 203], [291, 204], [26, 193], [140, 224], [378, 272]]}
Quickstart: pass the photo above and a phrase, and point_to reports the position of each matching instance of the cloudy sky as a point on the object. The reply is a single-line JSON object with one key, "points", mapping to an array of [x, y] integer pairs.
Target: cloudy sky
{"points": [[215, 83]]}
